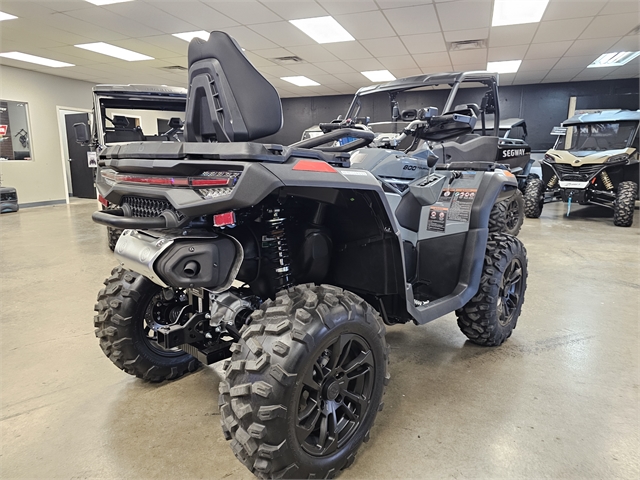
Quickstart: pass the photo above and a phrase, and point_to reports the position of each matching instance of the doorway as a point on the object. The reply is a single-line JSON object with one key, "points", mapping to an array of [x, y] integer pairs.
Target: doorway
{"points": [[79, 177]]}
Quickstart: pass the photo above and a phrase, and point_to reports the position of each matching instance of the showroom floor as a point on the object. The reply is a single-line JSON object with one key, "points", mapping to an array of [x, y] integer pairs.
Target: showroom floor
{"points": [[559, 399]]}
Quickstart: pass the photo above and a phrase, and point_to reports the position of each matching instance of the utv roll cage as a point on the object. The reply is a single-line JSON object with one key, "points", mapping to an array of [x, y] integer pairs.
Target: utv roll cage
{"points": [[454, 80]]}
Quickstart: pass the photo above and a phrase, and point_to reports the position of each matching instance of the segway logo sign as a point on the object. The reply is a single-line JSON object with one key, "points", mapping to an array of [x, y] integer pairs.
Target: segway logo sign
{"points": [[516, 152]]}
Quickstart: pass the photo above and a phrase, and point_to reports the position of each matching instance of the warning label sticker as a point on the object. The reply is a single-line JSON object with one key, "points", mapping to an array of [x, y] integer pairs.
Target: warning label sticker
{"points": [[461, 203], [446, 196], [437, 219]]}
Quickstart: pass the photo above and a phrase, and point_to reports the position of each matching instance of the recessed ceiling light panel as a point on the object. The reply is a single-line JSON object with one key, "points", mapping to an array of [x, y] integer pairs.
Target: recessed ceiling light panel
{"points": [[516, 12], [323, 29], [6, 16], [188, 36], [614, 59], [509, 66], [300, 81], [107, 2], [25, 57], [113, 51], [379, 75]]}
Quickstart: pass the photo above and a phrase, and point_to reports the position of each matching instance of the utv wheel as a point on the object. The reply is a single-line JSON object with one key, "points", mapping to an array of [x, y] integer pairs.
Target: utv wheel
{"points": [[490, 317], [624, 204], [534, 198], [129, 308], [113, 235], [304, 384], [507, 216]]}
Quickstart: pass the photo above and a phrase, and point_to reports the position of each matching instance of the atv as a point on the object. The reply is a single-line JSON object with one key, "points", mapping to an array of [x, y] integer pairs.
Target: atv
{"points": [[117, 114], [485, 139], [286, 263], [594, 162]]}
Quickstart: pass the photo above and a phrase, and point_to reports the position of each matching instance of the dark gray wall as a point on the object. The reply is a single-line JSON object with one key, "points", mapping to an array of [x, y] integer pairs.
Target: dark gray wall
{"points": [[543, 106]]}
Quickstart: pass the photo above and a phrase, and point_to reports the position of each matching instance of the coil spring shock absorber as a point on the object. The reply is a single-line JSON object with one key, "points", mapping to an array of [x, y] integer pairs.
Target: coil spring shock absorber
{"points": [[606, 181], [552, 181], [276, 248]]}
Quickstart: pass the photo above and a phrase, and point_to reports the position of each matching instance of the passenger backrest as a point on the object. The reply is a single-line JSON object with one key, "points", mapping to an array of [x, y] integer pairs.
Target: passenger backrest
{"points": [[228, 99]]}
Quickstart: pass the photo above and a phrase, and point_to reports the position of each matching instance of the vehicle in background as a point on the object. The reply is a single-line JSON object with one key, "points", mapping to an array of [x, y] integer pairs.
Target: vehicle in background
{"points": [[594, 162], [135, 113], [8, 200]]}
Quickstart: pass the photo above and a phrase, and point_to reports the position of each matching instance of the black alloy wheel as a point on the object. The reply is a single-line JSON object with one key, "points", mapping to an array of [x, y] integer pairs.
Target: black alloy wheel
{"points": [[335, 395], [511, 290]]}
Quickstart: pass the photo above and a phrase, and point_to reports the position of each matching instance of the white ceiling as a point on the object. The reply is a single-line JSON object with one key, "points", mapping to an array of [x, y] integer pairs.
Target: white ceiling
{"points": [[407, 37]]}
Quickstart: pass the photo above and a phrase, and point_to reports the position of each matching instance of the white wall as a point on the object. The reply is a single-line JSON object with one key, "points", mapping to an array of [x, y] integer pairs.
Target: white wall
{"points": [[42, 179]]}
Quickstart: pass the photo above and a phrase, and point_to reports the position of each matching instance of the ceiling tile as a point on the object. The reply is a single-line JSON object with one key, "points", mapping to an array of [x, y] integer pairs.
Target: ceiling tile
{"points": [[385, 4], [621, 6], [465, 14], [257, 60], [88, 30], [530, 77], [147, 14], [335, 67], [347, 50], [630, 43], [424, 43], [283, 33], [437, 68], [469, 56], [21, 28], [197, 14], [398, 61], [366, 25], [354, 78], [590, 74], [326, 79], [508, 35], [145, 48], [506, 78], [366, 64], [341, 7], [574, 62], [561, 75], [277, 71], [497, 54], [611, 25], [306, 69], [245, 12], [249, 39], [406, 72], [66, 5], [465, 67], [557, 30], [425, 60], [593, 47], [273, 53], [313, 53], [563, 9], [112, 21], [547, 50], [385, 47], [413, 20], [539, 64], [23, 9], [292, 10], [168, 42], [462, 35]]}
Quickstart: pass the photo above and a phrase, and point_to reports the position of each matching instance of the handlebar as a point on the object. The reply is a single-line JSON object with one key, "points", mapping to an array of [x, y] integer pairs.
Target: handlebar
{"points": [[364, 137]]}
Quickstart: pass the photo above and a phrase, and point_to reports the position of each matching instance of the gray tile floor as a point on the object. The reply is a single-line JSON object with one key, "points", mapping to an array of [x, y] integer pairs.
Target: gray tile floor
{"points": [[558, 400]]}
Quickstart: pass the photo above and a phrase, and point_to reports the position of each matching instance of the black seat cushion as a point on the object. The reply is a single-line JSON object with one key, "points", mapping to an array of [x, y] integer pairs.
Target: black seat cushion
{"points": [[120, 121], [228, 99]]}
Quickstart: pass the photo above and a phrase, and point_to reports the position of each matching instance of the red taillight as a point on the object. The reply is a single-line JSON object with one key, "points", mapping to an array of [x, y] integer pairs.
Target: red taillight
{"points": [[224, 219], [210, 182], [314, 166], [225, 179], [103, 200]]}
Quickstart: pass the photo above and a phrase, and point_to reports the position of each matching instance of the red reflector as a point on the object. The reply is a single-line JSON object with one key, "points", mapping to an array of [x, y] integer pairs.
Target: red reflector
{"points": [[224, 219], [314, 166], [210, 182], [103, 200]]}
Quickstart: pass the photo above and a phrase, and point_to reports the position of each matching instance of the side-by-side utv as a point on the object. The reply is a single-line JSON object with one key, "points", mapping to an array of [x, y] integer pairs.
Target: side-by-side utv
{"points": [[594, 162], [287, 264]]}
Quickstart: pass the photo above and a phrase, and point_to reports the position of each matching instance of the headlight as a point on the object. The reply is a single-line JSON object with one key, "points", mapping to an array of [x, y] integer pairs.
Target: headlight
{"points": [[549, 158], [623, 157]]}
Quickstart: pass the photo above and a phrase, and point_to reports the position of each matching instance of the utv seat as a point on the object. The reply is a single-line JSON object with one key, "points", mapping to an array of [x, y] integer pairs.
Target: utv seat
{"points": [[228, 100], [121, 131], [471, 149]]}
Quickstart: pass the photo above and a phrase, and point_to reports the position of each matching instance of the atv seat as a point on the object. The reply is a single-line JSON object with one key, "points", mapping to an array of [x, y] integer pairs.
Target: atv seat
{"points": [[228, 99], [472, 148]]}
